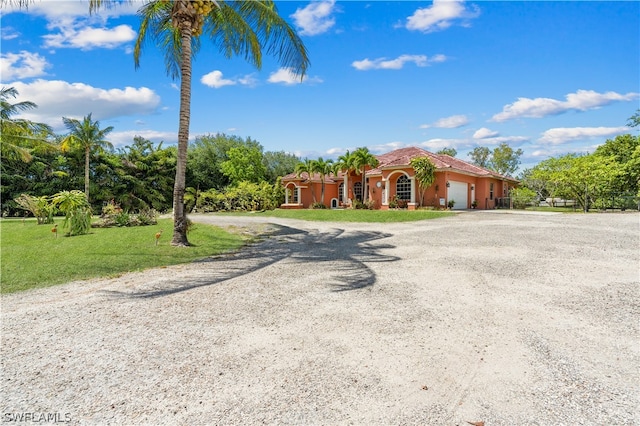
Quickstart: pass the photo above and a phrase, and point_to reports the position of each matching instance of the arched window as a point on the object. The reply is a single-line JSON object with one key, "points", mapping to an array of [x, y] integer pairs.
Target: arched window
{"points": [[357, 190], [341, 196], [403, 188]]}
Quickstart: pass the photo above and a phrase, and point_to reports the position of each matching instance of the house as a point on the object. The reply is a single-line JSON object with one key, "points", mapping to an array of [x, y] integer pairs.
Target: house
{"points": [[392, 182]]}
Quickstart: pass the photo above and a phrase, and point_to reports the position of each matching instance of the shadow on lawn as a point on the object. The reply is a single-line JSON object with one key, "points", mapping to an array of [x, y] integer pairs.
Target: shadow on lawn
{"points": [[346, 255]]}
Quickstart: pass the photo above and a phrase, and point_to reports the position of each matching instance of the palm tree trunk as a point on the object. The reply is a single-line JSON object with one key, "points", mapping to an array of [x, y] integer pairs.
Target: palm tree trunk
{"points": [[86, 172], [179, 216]]}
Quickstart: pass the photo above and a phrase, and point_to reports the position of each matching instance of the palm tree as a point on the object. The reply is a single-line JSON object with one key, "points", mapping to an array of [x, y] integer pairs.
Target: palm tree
{"points": [[363, 159], [238, 28], [345, 164], [88, 136], [17, 135], [323, 168], [307, 167]]}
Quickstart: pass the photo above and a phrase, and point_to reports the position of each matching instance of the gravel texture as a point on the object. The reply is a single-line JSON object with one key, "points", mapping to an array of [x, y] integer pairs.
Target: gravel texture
{"points": [[496, 317]]}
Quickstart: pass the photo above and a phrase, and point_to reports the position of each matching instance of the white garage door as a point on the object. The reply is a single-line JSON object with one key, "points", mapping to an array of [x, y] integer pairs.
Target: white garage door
{"points": [[458, 193]]}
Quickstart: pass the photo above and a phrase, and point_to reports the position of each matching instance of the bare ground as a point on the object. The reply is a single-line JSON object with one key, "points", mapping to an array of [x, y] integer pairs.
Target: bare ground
{"points": [[510, 319]]}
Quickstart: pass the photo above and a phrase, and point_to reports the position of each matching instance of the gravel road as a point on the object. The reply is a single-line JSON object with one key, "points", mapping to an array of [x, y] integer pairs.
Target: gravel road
{"points": [[496, 317]]}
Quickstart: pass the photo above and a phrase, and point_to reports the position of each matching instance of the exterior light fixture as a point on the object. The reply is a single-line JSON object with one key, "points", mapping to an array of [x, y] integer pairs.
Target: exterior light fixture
{"points": [[473, 187], [448, 184]]}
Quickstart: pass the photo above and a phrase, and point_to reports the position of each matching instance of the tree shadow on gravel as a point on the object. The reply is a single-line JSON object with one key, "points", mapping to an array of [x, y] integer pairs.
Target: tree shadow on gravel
{"points": [[346, 255]]}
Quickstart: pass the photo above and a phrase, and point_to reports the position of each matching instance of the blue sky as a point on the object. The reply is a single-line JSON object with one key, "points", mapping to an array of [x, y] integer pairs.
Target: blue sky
{"points": [[547, 77]]}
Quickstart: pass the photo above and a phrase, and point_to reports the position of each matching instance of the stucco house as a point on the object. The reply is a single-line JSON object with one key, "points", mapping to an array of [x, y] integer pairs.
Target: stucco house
{"points": [[394, 180]]}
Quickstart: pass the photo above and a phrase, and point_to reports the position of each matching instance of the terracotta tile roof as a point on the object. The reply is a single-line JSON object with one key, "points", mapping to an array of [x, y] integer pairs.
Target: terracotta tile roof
{"points": [[402, 157]]}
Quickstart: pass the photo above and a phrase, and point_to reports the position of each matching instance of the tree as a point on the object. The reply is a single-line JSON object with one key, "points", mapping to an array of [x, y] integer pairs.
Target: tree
{"points": [[245, 163], [345, 164], [145, 175], [504, 159], [480, 156], [87, 136], [19, 136], [448, 151], [307, 167], [362, 159], [323, 168], [425, 173], [279, 164]]}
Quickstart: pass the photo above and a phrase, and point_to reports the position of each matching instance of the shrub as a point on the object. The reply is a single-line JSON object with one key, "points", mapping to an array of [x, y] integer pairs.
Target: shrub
{"points": [[318, 205], [451, 203], [40, 207], [522, 197], [76, 209]]}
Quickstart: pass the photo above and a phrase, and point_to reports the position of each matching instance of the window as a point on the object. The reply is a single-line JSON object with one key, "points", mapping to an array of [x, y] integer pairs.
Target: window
{"points": [[403, 188], [341, 192], [491, 191], [357, 190], [293, 195]]}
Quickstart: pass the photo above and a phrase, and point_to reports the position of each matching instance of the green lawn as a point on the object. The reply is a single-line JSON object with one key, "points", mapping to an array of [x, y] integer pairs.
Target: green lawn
{"points": [[32, 257], [349, 215]]}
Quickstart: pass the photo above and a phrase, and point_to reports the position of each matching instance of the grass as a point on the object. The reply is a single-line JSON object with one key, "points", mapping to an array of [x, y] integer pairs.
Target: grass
{"points": [[349, 215], [32, 257]]}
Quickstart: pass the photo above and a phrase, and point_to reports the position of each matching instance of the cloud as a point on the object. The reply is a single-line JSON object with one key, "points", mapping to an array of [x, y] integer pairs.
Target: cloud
{"points": [[287, 77], [121, 139], [316, 18], [8, 33], [397, 63], [22, 65], [452, 122], [582, 100], [216, 80], [484, 133], [440, 15], [88, 38], [561, 135], [57, 99]]}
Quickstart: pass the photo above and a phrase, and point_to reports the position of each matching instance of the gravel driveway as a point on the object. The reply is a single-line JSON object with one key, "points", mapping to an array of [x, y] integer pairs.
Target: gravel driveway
{"points": [[495, 317]]}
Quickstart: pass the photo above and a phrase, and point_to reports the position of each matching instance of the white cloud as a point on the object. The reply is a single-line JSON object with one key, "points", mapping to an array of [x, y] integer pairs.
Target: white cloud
{"points": [[214, 79], [315, 18], [484, 133], [22, 65], [561, 135], [440, 15], [89, 38], [287, 77], [452, 122], [57, 99], [397, 63], [582, 100], [8, 33]]}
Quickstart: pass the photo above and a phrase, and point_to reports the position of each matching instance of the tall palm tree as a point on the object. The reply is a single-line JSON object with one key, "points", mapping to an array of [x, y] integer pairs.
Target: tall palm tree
{"points": [[307, 167], [363, 159], [237, 27], [18, 136], [88, 136], [323, 168], [345, 164]]}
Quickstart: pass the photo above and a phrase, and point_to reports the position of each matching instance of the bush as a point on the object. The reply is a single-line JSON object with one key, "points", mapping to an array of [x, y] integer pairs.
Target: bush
{"points": [[246, 196], [113, 215], [318, 205], [522, 197], [40, 207], [76, 209]]}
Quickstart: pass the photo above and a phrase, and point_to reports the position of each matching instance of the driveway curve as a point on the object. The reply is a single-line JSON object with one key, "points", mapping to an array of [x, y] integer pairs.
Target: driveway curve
{"points": [[500, 318]]}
